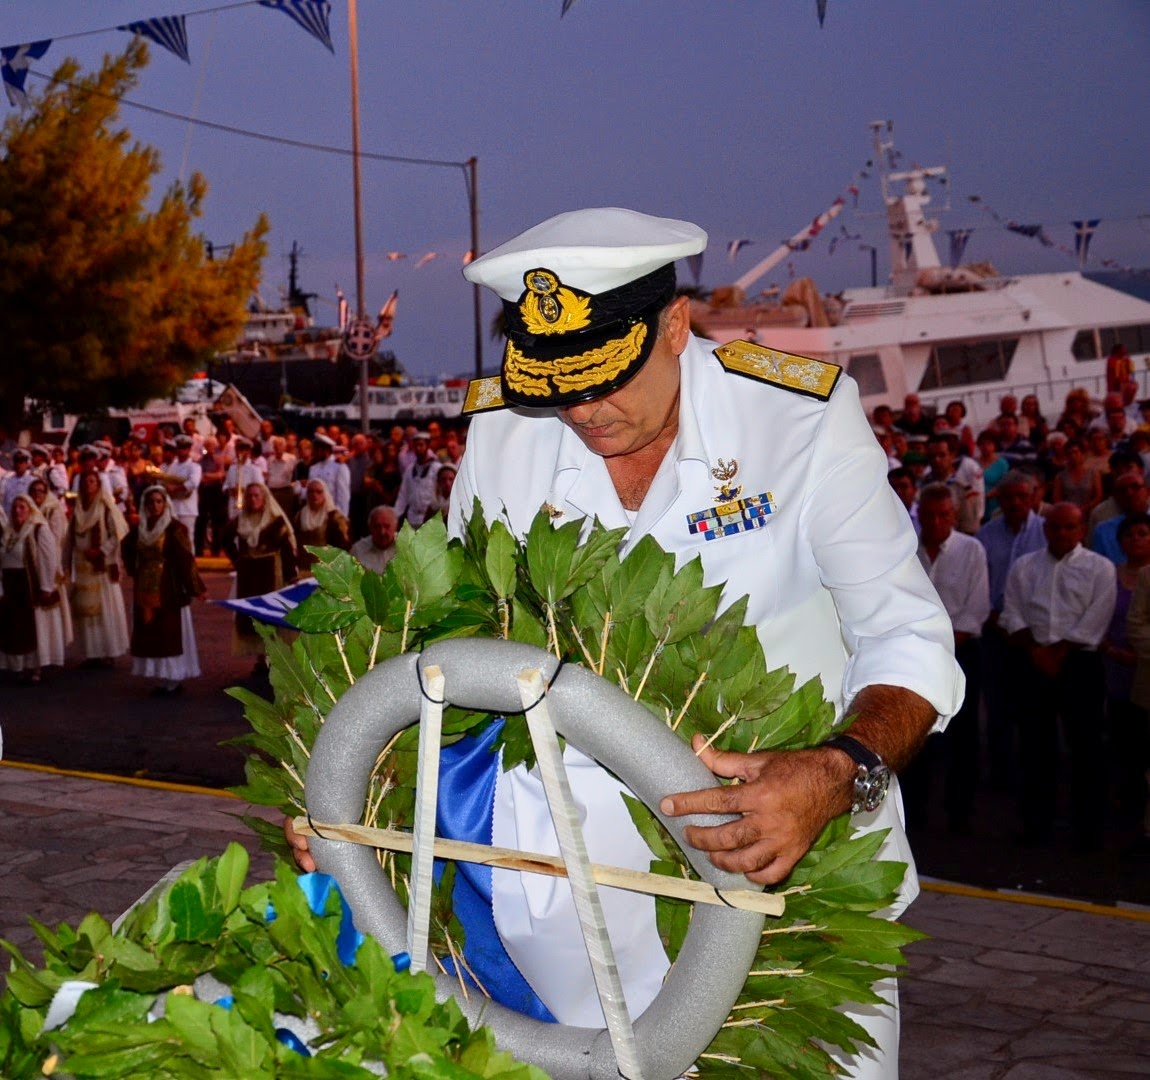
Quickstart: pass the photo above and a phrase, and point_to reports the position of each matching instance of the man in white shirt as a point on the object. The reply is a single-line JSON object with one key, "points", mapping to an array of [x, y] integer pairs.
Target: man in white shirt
{"points": [[956, 566], [1058, 606], [184, 490], [376, 549], [17, 481], [416, 497], [964, 474], [241, 472], [281, 473], [334, 473]]}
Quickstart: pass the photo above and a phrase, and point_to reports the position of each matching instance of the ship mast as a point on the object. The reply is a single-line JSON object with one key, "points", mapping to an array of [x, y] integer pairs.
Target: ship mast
{"points": [[911, 231]]}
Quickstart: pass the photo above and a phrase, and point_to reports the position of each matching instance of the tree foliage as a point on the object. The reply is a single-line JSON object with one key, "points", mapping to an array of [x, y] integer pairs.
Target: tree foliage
{"points": [[104, 300]]}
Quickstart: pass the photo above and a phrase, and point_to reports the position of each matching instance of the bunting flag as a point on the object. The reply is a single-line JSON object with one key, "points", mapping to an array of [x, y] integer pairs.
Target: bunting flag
{"points": [[1037, 232], [1083, 232], [567, 6], [425, 259], [312, 15], [14, 63], [170, 31], [343, 308], [821, 10], [395, 256], [386, 317], [735, 246], [958, 239], [695, 265]]}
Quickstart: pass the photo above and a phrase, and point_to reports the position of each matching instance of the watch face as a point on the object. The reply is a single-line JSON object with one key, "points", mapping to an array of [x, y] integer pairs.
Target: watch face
{"points": [[870, 788], [874, 788]]}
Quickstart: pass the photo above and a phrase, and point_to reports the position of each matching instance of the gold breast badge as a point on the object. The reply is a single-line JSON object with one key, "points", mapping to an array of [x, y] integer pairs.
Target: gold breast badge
{"points": [[725, 472]]}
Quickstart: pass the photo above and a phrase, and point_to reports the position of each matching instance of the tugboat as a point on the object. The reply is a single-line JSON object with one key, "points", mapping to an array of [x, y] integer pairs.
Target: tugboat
{"points": [[963, 334]]}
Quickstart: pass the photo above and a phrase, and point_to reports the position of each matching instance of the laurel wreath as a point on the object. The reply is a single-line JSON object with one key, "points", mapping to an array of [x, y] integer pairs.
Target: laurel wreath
{"points": [[659, 633]]}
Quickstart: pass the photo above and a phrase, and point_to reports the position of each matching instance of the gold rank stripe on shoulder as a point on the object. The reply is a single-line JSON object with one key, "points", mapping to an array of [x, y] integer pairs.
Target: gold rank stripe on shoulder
{"points": [[484, 395], [815, 378]]}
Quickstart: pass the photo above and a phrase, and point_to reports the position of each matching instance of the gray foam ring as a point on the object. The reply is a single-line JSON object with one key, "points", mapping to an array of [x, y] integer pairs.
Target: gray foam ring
{"points": [[602, 721]]}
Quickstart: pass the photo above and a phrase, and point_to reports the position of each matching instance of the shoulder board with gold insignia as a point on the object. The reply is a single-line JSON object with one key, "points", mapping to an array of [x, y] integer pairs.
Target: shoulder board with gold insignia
{"points": [[484, 395], [814, 378]]}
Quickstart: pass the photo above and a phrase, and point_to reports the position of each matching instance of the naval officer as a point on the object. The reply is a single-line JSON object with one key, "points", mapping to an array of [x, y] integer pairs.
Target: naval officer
{"points": [[608, 406]]}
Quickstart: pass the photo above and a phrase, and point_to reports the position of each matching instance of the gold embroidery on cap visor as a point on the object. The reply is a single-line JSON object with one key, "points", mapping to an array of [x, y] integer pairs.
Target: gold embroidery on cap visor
{"points": [[547, 379], [549, 307]]}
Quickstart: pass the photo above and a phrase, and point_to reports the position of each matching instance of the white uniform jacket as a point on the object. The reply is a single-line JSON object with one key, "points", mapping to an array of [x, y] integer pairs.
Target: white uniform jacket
{"points": [[834, 583]]}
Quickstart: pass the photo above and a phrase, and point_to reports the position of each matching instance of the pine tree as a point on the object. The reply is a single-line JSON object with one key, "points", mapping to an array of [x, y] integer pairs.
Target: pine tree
{"points": [[103, 301]]}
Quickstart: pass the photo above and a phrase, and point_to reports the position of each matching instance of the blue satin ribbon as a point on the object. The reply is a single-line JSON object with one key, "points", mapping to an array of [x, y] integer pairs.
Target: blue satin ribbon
{"points": [[467, 773]]}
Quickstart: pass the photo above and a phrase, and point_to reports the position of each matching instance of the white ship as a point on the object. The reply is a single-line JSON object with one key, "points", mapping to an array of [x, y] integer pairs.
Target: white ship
{"points": [[962, 334]]}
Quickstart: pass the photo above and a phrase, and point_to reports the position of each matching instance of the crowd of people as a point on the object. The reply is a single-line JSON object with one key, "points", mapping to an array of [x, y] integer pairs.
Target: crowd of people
{"points": [[1036, 535], [75, 522]]}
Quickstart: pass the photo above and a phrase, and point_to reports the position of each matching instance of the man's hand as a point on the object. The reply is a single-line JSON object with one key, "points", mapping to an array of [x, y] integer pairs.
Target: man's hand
{"points": [[299, 848], [785, 799]]}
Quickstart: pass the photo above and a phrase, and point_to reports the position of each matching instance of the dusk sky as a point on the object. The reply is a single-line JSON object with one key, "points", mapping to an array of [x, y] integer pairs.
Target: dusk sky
{"points": [[741, 115]]}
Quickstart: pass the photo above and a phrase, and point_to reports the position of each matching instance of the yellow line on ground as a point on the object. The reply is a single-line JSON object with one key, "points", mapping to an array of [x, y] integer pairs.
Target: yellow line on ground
{"points": [[110, 778], [944, 887], [1034, 900]]}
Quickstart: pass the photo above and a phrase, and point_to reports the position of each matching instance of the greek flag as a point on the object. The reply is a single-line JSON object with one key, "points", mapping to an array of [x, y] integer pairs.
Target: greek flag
{"points": [[1083, 231], [14, 63], [168, 30], [312, 15], [958, 239], [271, 608]]}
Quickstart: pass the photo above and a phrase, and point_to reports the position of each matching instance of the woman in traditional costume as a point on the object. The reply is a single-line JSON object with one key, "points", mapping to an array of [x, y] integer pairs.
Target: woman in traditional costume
{"points": [[92, 554], [52, 509], [31, 623], [158, 555], [319, 524], [261, 545]]}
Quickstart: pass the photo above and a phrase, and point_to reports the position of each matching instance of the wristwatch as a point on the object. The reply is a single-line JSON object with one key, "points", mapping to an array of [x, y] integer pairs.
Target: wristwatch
{"points": [[873, 776]]}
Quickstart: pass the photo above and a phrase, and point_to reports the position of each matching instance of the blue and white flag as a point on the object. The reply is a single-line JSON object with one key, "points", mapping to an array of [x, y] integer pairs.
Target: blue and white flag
{"points": [[271, 608], [14, 63], [1083, 231], [958, 239], [168, 30], [312, 15]]}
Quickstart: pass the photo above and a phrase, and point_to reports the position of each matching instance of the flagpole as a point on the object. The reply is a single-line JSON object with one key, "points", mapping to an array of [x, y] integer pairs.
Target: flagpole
{"points": [[473, 207], [360, 310]]}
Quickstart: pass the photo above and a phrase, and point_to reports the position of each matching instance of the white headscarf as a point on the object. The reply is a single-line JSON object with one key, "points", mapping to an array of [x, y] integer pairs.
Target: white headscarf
{"points": [[314, 520], [15, 537], [154, 534], [86, 518], [250, 524]]}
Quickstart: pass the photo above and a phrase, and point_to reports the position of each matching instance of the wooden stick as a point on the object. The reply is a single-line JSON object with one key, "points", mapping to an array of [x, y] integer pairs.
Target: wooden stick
{"points": [[698, 892], [421, 885]]}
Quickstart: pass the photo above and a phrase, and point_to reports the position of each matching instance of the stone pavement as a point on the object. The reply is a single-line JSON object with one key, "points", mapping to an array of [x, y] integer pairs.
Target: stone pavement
{"points": [[1006, 987]]}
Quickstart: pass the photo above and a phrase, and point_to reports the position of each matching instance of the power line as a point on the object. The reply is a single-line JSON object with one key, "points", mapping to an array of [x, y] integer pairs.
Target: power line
{"points": [[262, 136]]}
